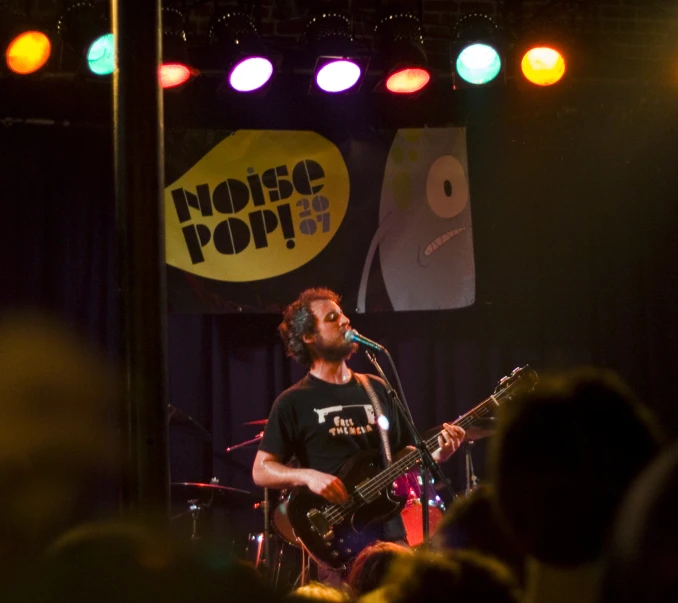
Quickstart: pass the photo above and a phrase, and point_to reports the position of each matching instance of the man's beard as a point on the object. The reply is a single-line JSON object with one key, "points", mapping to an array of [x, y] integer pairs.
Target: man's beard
{"points": [[334, 352]]}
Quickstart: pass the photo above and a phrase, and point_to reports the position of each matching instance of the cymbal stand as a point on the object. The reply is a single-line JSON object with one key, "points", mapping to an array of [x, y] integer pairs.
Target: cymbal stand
{"points": [[194, 508], [266, 507], [471, 477]]}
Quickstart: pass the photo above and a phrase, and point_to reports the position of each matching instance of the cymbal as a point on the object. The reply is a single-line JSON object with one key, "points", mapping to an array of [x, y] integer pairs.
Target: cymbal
{"points": [[481, 428], [474, 433], [211, 488], [257, 422]]}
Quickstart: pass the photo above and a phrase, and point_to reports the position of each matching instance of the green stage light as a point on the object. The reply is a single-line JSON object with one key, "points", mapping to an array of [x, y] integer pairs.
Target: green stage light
{"points": [[478, 64], [101, 55], [477, 52]]}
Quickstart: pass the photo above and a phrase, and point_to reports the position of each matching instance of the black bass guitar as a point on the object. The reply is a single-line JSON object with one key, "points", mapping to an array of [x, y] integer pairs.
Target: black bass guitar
{"points": [[335, 533]]}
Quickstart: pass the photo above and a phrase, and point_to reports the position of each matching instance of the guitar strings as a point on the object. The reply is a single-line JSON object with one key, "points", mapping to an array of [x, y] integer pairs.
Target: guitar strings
{"points": [[337, 513]]}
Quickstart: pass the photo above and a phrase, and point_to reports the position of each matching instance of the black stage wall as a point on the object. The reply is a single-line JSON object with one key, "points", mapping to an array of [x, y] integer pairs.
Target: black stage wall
{"points": [[574, 200]]}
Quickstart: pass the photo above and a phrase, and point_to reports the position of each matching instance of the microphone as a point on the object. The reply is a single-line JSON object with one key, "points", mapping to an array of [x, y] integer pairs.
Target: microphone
{"points": [[352, 336]]}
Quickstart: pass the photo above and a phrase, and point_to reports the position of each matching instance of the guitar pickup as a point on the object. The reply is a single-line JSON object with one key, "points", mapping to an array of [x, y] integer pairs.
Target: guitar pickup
{"points": [[373, 495], [320, 525]]}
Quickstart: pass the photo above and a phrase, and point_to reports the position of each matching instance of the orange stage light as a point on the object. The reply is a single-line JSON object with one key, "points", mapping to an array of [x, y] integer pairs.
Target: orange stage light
{"points": [[28, 52], [543, 66]]}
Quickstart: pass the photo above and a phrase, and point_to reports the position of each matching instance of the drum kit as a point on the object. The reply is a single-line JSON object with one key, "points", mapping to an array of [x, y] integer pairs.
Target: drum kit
{"points": [[275, 550], [269, 548]]}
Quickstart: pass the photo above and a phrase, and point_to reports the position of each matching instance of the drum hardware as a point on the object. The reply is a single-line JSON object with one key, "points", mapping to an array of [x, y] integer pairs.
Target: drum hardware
{"points": [[281, 523], [263, 540], [215, 488], [254, 440], [410, 486], [262, 549], [266, 541], [236, 497], [481, 428], [471, 477], [179, 417], [194, 509], [257, 422]]}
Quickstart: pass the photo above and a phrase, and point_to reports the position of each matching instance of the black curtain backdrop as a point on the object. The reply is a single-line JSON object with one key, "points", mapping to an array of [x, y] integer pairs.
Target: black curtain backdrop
{"points": [[574, 202]]}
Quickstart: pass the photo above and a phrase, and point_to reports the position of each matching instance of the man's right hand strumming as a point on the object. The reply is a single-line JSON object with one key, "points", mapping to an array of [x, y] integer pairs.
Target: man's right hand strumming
{"points": [[326, 485], [269, 472]]}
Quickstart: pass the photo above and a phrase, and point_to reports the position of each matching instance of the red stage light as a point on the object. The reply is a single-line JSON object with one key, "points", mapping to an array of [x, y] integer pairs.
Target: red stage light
{"points": [[173, 75], [408, 81]]}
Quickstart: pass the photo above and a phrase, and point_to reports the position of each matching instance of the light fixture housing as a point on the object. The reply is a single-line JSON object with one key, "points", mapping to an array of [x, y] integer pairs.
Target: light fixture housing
{"points": [[240, 52], [26, 45], [86, 31], [339, 67], [400, 54], [557, 48], [175, 70], [477, 53]]}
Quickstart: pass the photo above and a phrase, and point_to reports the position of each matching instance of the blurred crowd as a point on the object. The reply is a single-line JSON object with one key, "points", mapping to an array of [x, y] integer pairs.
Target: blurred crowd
{"points": [[577, 506]]}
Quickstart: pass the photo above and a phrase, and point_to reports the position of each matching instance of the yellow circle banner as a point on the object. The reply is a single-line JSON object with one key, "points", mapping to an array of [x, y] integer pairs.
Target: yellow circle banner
{"points": [[259, 204]]}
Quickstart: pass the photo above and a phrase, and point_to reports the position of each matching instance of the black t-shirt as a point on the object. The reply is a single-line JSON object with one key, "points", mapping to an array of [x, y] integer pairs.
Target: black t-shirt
{"points": [[323, 424]]}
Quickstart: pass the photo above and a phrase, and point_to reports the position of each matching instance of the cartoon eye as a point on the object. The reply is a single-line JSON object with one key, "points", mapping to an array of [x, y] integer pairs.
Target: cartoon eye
{"points": [[446, 187]]}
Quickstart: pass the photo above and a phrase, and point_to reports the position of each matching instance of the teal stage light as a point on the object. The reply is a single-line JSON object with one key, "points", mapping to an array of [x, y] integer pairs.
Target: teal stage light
{"points": [[476, 52], [101, 55], [478, 64]]}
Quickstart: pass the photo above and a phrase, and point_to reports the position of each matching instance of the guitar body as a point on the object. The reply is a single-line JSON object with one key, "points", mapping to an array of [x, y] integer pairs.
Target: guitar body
{"points": [[335, 544], [334, 534]]}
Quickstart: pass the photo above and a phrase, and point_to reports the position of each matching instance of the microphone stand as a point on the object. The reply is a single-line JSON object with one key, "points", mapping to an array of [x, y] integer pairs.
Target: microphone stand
{"points": [[428, 464]]}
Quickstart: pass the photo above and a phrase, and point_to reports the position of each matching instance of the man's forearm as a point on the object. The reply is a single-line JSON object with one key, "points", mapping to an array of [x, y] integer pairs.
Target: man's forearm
{"points": [[272, 474]]}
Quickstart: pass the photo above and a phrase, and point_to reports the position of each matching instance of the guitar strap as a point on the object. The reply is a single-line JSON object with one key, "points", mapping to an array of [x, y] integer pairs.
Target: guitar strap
{"points": [[379, 412]]}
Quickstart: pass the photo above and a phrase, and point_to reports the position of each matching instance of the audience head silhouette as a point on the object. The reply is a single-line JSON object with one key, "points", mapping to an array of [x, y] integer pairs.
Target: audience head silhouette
{"points": [[564, 454]]}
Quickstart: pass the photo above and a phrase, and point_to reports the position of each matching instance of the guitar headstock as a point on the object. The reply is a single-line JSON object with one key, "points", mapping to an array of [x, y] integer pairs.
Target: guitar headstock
{"points": [[521, 379]]}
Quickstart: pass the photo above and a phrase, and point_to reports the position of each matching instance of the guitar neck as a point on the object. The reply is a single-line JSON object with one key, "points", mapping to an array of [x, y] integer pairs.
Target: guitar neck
{"points": [[410, 460]]}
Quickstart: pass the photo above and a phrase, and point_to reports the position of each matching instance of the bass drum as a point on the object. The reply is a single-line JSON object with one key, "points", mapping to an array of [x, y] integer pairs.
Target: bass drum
{"points": [[410, 486], [281, 522]]}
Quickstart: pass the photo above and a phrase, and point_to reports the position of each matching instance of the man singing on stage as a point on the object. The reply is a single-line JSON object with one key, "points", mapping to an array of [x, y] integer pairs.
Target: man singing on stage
{"points": [[327, 417]]}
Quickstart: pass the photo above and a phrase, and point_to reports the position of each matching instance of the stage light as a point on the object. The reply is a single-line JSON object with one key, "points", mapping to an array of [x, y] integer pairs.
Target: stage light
{"points": [[101, 55], [85, 29], [543, 66], [337, 76], [407, 81], [250, 74], [478, 64], [28, 52], [173, 75], [240, 52], [26, 46], [339, 67], [400, 54], [552, 48], [476, 52], [175, 70]]}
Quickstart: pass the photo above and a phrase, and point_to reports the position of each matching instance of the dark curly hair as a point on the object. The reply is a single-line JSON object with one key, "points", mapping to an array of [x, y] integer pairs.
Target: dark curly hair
{"points": [[299, 320]]}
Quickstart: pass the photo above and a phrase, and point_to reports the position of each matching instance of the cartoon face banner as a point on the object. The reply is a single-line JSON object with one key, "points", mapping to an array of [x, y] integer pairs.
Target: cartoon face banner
{"points": [[253, 217]]}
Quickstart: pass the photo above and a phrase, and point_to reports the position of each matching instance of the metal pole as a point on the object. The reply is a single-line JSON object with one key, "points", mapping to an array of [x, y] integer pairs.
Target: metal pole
{"points": [[139, 177]]}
